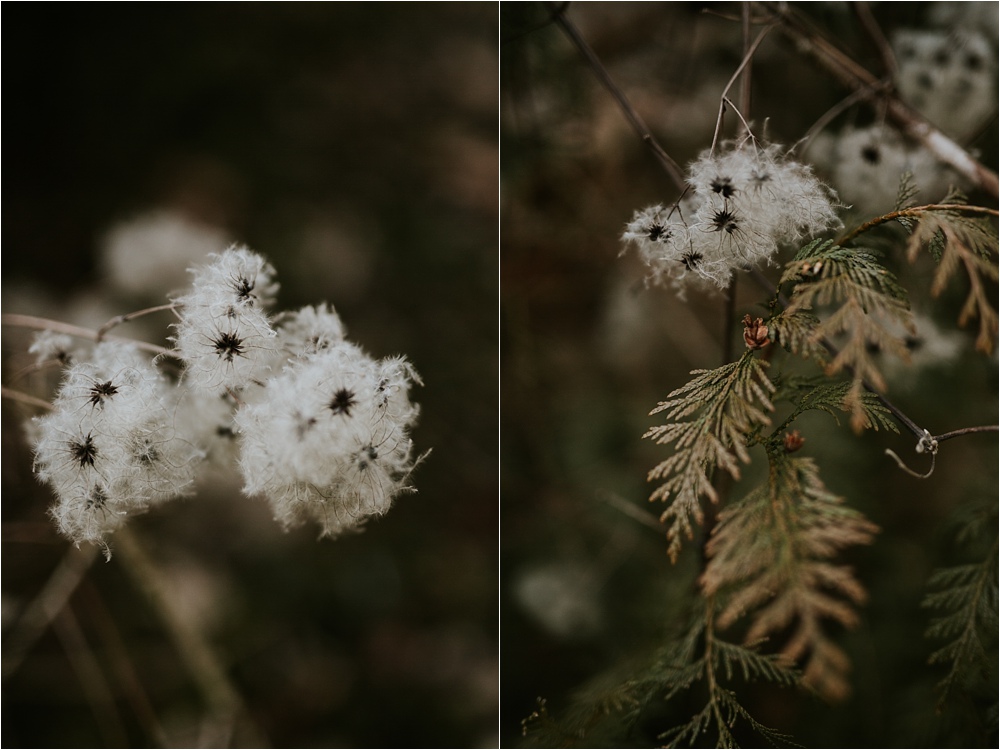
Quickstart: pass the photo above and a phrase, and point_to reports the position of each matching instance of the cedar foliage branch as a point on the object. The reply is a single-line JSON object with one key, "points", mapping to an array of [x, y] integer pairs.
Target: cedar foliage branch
{"points": [[809, 394], [957, 240], [607, 710], [958, 236], [717, 665], [965, 596], [865, 308], [710, 418], [770, 555]]}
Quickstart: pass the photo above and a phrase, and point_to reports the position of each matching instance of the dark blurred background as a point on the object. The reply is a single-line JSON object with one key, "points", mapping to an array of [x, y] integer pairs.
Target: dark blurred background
{"points": [[355, 146], [587, 591]]}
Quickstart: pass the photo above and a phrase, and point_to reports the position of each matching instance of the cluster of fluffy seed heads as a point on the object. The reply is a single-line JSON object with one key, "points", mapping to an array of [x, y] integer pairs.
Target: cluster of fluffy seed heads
{"points": [[109, 448], [742, 205], [315, 425], [868, 164], [949, 75]]}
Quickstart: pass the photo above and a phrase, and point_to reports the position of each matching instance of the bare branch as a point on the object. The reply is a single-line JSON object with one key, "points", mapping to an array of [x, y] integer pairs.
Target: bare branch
{"points": [[24, 398], [49, 602], [914, 211], [673, 169], [44, 324], [119, 319], [966, 431], [857, 78]]}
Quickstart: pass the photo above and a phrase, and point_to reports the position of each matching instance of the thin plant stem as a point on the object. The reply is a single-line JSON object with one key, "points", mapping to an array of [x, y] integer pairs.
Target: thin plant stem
{"points": [[119, 319], [864, 14], [857, 78], [569, 28], [45, 324], [121, 664], [915, 211], [91, 677], [966, 431], [722, 480], [747, 56], [899, 462], [827, 117], [745, 89], [221, 696], [536, 27], [46, 605], [710, 659], [36, 367], [638, 514], [24, 398]]}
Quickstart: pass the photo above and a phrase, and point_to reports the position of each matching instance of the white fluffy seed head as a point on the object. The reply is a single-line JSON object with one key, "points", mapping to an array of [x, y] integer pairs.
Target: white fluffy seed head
{"points": [[49, 345], [329, 442], [109, 447], [225, 352], [949, 76], [224, 335], [746, 201], [310, 330], [237, 278], [867, 165]]}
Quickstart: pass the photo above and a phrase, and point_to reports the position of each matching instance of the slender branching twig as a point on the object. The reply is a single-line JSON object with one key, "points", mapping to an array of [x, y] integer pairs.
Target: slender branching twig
{"points": [[673, 169], [119, 319], [223, 699], [122, 664], [725, 92], [46, 605], [864, 14], [91, 677], [45, 324], [966, 431], [915, 211], [24, 398], [857, 78]]}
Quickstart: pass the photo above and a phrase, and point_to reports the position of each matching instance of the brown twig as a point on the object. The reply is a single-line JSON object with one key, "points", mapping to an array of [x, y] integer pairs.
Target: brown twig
{"points": [[122, 665], [747, 56], [827, 117], [24, 398], [45, 324], [914, 211], [966, 431], [91, 677], [220, 694], [864, 14], [632, 511], [857, 78], [673, 169], [48, 603], [748, 70], [119, 319]]}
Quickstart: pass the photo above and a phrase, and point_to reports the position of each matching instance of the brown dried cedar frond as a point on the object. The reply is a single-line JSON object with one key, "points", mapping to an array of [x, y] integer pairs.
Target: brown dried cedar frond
{"points": [[710, 419], [771, 557], [957, 240], [869, 313]]}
